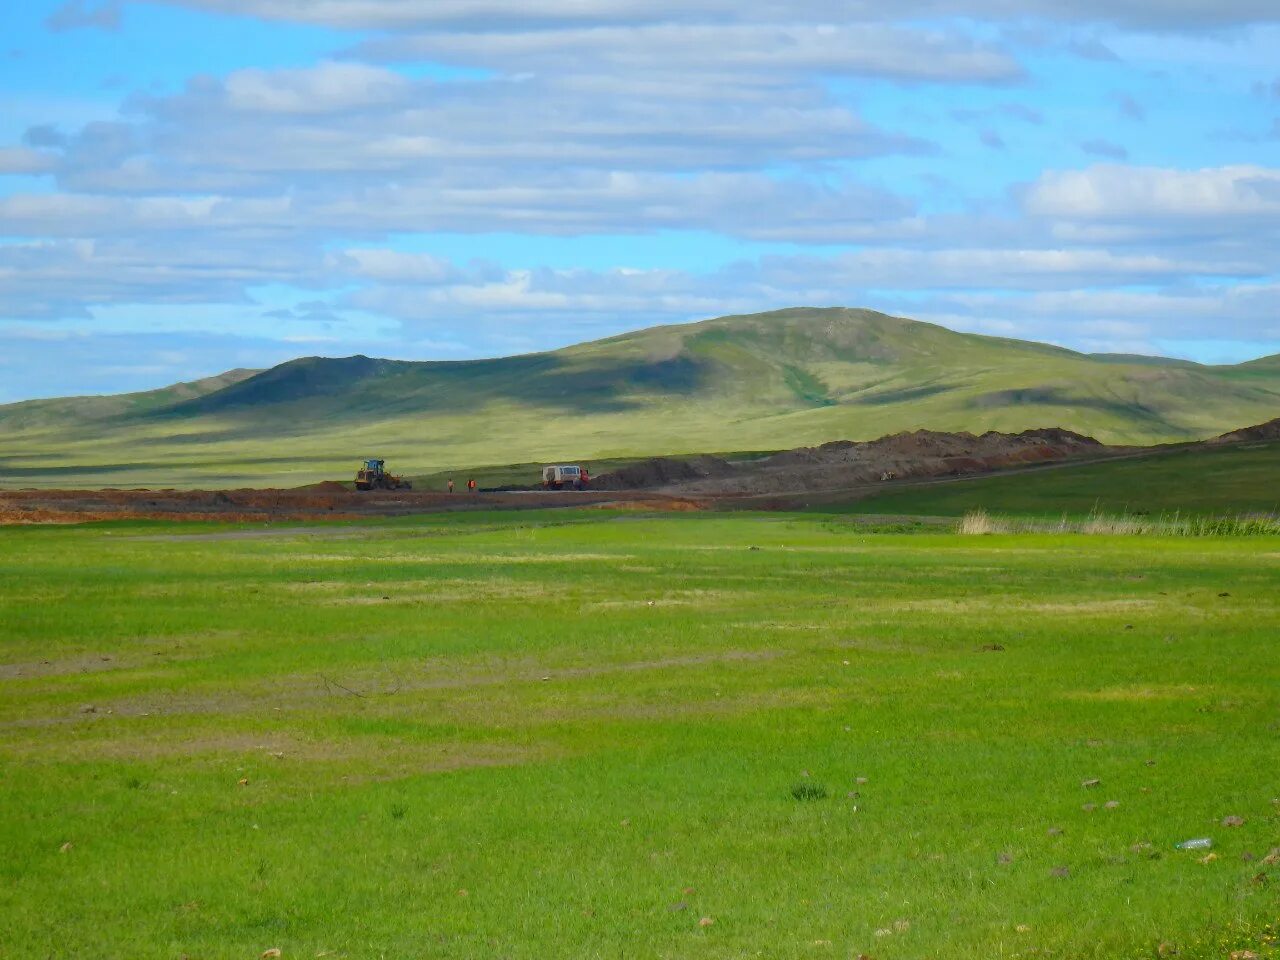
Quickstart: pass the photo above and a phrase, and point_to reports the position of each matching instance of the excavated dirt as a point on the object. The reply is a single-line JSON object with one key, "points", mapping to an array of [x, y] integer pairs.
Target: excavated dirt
{"points": [[845, 463], [325, 501], [1263, 431], [663, 471]]}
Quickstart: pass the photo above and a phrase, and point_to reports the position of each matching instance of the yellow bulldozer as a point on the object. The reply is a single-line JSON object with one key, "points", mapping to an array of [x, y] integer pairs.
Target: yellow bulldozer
{"points": [[373, 476]]}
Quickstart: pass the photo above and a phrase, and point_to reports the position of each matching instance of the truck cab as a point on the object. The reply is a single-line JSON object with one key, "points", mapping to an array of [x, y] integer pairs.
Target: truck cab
{"points": [[565, 475]]}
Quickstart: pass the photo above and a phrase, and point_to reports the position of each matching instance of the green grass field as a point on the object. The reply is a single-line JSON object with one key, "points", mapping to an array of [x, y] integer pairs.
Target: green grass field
{"points": [[594, 735], [1233, 479]]}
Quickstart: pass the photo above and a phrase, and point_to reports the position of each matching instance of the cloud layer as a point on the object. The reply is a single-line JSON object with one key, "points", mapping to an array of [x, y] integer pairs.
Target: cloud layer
{"points": [[917, 157]]}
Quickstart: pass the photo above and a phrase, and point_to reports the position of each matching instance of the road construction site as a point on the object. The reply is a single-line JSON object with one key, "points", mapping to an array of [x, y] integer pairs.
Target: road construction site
{"points": [[806, 476]]}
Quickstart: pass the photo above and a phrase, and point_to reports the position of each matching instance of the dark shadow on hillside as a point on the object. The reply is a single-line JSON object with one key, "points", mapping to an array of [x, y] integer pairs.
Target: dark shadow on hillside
{"points": [[1055, 397], [361, 387], [903, 394]]}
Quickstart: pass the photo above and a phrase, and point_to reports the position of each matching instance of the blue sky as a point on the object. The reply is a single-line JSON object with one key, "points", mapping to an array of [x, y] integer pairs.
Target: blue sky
{"points": [[188, 186]]}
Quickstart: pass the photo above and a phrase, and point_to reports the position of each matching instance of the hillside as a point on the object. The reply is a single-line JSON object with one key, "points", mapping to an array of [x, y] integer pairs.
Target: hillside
{"points": [[70, 412], [765, 381]]}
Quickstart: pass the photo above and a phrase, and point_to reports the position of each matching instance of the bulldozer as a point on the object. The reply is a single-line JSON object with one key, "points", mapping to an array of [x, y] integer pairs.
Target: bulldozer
{"points": [[373, 476]]}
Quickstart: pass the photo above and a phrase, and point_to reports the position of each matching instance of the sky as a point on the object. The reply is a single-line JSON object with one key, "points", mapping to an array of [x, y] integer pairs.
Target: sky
{"points": [[190, 186]]}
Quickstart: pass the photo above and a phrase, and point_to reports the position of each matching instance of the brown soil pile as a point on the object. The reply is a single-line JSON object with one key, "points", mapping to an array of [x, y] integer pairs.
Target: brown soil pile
{"points": [[844, 463], [327, 486], [1263, 431], [661, 472]]}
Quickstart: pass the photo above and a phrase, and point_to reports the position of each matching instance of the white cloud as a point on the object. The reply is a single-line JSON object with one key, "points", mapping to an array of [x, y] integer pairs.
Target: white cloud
{"points": [[22, 160], [715, 49], [482, 14], [1112, 192], [741, 119], [341, 128], [325, 88]]}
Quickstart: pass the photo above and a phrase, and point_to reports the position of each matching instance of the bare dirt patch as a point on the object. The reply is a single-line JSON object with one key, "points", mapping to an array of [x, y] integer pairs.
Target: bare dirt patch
{"points": [[1017, 606], [330, 502], [1139, 693], [386, 685], [374, 757], [454, 591], [68, 666]]}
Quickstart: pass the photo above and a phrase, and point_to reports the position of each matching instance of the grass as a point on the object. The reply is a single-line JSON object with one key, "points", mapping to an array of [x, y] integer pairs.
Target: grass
{"points": [[582, 735], [1224, 481], [980, 523], [764, 382]]}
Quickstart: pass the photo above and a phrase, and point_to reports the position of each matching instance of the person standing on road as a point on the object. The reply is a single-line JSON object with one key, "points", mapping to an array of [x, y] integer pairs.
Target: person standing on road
{"points": [[471, 485], [451, 484]]}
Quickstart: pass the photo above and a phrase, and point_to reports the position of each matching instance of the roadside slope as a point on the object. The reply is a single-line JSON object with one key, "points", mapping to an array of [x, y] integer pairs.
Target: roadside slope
{"points": [[1225, 479]]}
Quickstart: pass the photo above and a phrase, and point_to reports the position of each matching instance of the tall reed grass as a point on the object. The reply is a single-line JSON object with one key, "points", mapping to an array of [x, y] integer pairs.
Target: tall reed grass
{"points": [[979, 522]]}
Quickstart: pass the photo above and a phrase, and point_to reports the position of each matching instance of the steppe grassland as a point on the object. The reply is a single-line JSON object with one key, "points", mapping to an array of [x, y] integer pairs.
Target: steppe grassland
{"points": [[566, 735]]}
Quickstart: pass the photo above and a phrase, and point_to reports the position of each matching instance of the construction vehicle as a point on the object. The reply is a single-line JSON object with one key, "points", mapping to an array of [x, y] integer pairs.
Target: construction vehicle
{"points": [[565, 475], [373, 476]]}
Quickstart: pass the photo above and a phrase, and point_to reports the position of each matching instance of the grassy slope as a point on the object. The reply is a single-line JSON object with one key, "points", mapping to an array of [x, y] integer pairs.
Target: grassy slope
{"points": [[1227, 480], [766, 381], [72, 412], [576, 739]]}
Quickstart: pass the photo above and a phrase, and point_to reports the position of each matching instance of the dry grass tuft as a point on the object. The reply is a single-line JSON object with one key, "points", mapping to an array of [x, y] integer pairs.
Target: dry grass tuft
{"points": [[979, 522]]}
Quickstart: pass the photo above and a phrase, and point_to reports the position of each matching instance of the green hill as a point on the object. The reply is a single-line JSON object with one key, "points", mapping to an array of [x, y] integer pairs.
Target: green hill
{"points": [[71, 412], [765, 381]]}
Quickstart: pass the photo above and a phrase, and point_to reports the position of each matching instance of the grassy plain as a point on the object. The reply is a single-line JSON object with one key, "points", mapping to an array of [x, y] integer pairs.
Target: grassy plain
{"points": [[583, 735]]}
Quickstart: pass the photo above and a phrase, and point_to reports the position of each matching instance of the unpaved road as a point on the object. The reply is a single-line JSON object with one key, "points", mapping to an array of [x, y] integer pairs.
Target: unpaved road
{"points": [[322, 502]]}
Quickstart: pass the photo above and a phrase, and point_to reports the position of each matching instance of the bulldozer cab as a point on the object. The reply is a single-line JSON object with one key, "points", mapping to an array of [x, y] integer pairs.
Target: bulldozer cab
{"points": [[372, 475]]}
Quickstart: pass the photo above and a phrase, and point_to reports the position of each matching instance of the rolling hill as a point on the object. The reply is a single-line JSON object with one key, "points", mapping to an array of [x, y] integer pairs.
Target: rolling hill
{"points": [[758, 382]]}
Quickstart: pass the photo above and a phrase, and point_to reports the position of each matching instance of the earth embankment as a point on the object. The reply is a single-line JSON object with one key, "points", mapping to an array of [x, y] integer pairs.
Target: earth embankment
{"points": [[842, 463]]}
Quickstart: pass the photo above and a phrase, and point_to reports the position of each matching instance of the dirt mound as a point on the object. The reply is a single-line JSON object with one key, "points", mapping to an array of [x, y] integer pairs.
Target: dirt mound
{"points": [[924, 444], [661, 472], [843, 463], [326, 486], [1262, 431]]}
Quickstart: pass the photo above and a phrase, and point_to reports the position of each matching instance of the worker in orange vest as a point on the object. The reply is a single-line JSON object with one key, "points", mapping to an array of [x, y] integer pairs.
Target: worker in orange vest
{"points": [[471, 485]]}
